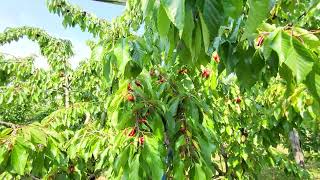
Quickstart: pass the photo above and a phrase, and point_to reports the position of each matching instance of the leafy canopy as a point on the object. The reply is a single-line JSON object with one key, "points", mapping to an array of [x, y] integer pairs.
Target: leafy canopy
{"points": [[209, 89]]}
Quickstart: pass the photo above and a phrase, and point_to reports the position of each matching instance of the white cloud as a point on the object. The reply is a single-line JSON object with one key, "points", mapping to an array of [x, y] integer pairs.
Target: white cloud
{"points": [[81, 52], [24, 48]]}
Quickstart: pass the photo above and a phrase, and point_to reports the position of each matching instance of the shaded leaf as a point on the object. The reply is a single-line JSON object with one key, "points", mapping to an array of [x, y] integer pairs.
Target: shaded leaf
{"points": [[19, 157], [258, 12], [232, 8], [176, 11], [163, 22]]}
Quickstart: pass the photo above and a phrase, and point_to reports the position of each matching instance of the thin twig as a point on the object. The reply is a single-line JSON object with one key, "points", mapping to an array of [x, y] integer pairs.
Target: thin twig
{"points": [[310, 32], [225, 156], [34, 177]]}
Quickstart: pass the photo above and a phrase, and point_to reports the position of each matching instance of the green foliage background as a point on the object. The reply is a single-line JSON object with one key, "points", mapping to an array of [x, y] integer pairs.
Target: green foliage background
{"points": [[210, 89]]}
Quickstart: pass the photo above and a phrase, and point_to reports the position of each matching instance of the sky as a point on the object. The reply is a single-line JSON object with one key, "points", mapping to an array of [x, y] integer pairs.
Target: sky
{"points": [[15, 13]]}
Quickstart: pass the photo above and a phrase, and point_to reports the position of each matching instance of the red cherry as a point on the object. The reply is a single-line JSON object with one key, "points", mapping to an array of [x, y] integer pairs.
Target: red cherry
{"points": [[132, 132], [141, 140], [71, 168], [238, 100], [130, 98], [161, 79], [216, 57], [142, 120], [129, 88], [260, 40], [205, 73], [183, 129]]}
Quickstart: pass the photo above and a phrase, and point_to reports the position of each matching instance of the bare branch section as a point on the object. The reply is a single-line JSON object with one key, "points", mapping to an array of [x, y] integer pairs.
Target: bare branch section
{"points": [[296, 147], [8, 124], [73, 15], [118, 28]]}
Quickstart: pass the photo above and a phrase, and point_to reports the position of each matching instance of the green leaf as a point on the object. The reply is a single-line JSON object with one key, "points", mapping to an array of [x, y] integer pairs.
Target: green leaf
{"points": [[163, 22], [132, 70], [197, 42], [176, 11], [280, 42], [212, 16], [313, 83], [121, 51], [124, 119], [10, 99], [5, 132], [249, 67], [180, 142], [107, 67], [199, 173], [179, 171], [232, 8], [206, 146], [19, 157], [192, 111], [300, 60], [38, 136], [38, 165], [3, 155], [139, 52], [134, 168], [157, 126], [205, 33], [151, 155], [187, 35], [309, 39], [235, 162], [229, 130], [147, 7], [174, 105], [258, 12], [121, 159], [294, 54]]}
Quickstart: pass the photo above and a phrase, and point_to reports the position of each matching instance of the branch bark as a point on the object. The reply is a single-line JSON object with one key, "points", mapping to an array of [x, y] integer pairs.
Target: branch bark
{"points": [[119, 2], [296, 147], [66, 92], [8, 124], [225, 156]]}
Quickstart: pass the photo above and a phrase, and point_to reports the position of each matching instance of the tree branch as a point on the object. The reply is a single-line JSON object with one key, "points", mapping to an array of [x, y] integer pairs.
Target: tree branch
{"points": [[119, 2], [8, 124], [225, 156]]}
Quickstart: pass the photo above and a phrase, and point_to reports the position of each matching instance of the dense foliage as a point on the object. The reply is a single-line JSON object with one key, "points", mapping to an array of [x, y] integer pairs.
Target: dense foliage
{"points": [[209, 89]]}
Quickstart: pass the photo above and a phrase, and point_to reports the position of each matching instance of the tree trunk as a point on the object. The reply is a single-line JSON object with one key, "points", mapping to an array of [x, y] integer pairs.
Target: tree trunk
{"points": [[66, 92], [87, 118], [296, 147]]}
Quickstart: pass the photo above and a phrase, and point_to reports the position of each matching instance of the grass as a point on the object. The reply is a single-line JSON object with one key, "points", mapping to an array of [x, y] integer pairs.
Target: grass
{"points": [[312, 166], [274, 174], [314, 169]]}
